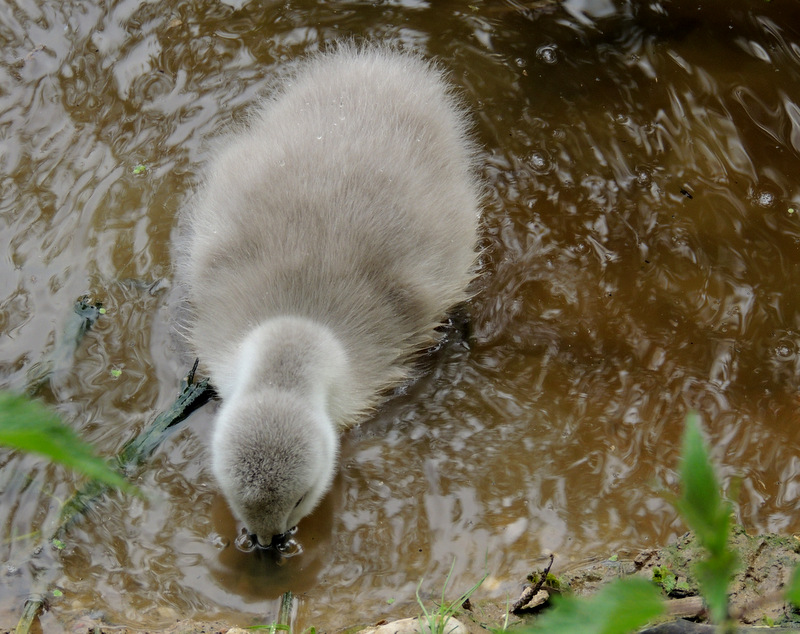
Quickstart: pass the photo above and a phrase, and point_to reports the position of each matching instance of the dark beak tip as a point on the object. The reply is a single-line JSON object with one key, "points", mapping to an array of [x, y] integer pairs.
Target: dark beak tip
{"points": [[279, 541], [276, 542]]}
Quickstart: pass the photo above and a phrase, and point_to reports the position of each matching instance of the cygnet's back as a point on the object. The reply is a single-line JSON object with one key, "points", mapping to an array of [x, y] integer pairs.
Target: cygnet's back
{"points": [[328, 242]]}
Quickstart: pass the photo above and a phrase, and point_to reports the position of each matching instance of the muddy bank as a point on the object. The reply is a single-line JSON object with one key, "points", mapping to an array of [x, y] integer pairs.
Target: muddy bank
{"points": [[766, 563], [765, 566]]}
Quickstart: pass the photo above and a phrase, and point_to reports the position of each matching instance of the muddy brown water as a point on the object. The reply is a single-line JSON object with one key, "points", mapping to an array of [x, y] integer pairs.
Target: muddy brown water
{"points": [[642, 233]]}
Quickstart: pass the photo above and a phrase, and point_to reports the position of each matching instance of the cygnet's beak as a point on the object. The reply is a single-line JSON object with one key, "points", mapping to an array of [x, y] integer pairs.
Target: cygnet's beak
{"points": [[279, 542], [276, 542]]}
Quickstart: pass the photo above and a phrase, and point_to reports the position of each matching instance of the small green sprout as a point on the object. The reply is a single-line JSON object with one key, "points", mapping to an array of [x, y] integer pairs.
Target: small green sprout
{"points": [[664, 577]]}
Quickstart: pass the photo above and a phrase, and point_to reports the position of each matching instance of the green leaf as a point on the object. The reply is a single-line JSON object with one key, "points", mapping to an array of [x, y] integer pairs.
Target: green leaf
{"points": [[620, 607], [57, 593], [141, 168], [700, 503], [116, 373], [664, 577], [709, 517], [28, 425], [714, 575], [793, 589]]}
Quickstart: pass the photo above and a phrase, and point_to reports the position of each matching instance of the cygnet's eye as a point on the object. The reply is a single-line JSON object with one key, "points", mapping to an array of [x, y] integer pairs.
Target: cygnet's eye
{"points": [[302, 497]]}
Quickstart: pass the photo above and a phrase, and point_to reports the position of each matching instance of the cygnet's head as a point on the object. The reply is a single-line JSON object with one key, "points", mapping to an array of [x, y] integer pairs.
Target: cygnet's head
{"points": [[274, 456]]}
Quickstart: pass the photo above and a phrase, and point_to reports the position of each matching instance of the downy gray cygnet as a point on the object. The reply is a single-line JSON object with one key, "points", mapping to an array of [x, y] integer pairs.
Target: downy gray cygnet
{"points": [[329, 239]]}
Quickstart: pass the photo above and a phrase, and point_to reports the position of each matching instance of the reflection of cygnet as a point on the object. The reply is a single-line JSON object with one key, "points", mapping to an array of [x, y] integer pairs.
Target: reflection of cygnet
{"points": [[327, 243]]}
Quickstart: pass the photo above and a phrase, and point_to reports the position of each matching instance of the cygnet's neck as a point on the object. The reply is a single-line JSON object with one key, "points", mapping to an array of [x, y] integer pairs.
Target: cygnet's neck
{"points": [[292, 354]]}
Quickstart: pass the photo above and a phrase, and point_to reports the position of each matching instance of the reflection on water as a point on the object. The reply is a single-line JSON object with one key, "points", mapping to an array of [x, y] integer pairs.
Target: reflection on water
{"points": [[642, 237]]}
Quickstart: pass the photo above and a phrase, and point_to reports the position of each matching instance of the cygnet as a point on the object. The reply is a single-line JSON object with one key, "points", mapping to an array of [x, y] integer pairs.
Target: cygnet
{"points": [[331, 235]]}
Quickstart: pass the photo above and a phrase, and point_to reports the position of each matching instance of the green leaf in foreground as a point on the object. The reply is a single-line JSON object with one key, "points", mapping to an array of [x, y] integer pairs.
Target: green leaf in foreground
{"points": [[28, 425], [700, 502], [709, 516], [622, 606]]}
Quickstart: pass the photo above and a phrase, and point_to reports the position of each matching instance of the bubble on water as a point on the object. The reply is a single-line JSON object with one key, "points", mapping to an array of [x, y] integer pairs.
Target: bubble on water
{"points": [[642, 176], [547, 54], [521, 62], [765, 199], [291, 548], [540, 162], [785, 349], [580, 248], [245, 542]]}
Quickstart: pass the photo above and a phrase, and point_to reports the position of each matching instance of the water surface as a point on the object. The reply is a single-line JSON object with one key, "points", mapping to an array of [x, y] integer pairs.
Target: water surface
{"points": [[642, 234]]}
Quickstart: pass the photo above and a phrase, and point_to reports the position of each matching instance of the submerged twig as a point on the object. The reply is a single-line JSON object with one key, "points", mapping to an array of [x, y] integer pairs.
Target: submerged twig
{"points": [[29, 613]]}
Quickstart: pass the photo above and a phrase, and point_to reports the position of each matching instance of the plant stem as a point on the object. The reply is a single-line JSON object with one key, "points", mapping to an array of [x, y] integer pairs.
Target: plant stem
{"points": [[285, 614]]}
